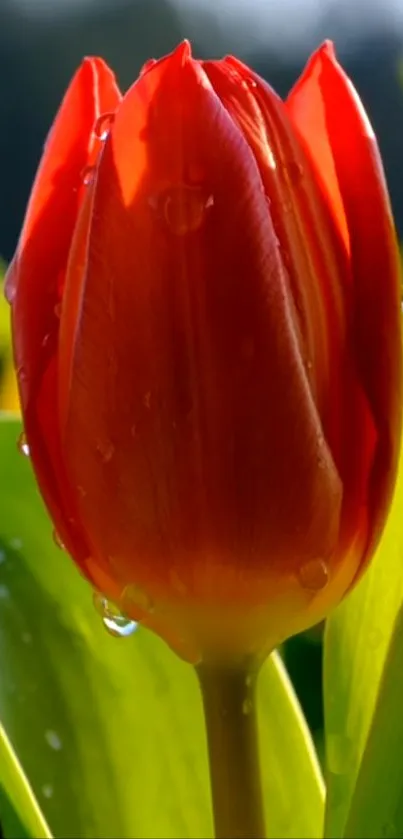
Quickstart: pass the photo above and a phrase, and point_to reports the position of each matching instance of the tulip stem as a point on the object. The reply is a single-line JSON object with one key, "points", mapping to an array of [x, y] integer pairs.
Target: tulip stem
{"points": [[229, 700]]}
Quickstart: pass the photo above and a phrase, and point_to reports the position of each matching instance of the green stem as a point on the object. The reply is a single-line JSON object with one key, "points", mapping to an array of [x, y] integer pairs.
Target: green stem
{"points": [[229, 699]]}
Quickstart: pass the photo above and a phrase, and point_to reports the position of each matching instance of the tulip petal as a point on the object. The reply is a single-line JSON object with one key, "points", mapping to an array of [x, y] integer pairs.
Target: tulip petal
{"points": [[317, 260], [325, 88], [36, 278], [306, 109], [187, 409], [310, 243]]}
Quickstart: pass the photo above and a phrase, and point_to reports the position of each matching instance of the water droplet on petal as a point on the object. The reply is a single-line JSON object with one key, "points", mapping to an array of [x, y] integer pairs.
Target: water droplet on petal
{"points": [[147, 66], [119, 626], [58, 541], [58, 309], [10, 286], [22, 444], [47, 790], [147, 400], [313, 575], [106, 450], [114, 621], [53, 740], [87, 175], [103, 124], [136, 596], [184, 208], [21, 374], [249, 83]]}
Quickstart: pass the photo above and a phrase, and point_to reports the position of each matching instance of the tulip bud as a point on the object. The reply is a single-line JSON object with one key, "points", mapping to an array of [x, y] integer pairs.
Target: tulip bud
{"points": [[206, 322]]}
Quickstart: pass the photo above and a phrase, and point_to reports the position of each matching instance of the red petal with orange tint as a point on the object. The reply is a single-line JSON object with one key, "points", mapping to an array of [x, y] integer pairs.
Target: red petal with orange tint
{"points": [[36, 279], [354, 172], [177, 421], [309, 239], [316, 255], [317, 260], [306, 108]]}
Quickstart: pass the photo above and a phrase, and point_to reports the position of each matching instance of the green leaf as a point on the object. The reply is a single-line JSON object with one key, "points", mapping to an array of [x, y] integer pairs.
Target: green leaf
{"points": [[13, 780], [10, 824], [357, 641], [377, 805], [292, 780], [110, 731]]}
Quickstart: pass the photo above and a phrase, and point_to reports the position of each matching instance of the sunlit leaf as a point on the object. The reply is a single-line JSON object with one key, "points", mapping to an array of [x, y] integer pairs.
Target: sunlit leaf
{"points": [[377, 804], [357, 642], [293, 784], [18, 792]]}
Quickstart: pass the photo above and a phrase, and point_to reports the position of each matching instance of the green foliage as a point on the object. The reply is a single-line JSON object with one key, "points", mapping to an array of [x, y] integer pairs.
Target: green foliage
{"points": [[377, 805], [110, 731], [363, 698], [18, 807]]}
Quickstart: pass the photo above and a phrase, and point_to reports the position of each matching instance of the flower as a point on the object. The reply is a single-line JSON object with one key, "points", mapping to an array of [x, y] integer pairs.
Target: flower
{"points": [[206, 323]]}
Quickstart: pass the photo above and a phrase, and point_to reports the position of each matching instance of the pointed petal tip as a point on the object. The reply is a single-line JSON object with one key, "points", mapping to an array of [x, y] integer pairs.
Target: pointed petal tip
{"points": [[183, 52], [328, 49], [324, 54], [336, 73], [93, 59]]}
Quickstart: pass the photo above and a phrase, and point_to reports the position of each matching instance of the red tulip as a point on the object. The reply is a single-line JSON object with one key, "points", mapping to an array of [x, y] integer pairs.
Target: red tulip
{"points": [[206, 321]]}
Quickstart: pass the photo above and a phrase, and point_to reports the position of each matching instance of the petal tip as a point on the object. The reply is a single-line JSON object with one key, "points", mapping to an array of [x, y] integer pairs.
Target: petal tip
{"points": [[183, 52], [328, 49], [90, 60], [96, 65]]}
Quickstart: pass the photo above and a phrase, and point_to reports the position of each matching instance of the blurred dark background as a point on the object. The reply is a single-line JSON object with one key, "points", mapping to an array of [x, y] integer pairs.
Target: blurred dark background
{"points": [[43, 41]]}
